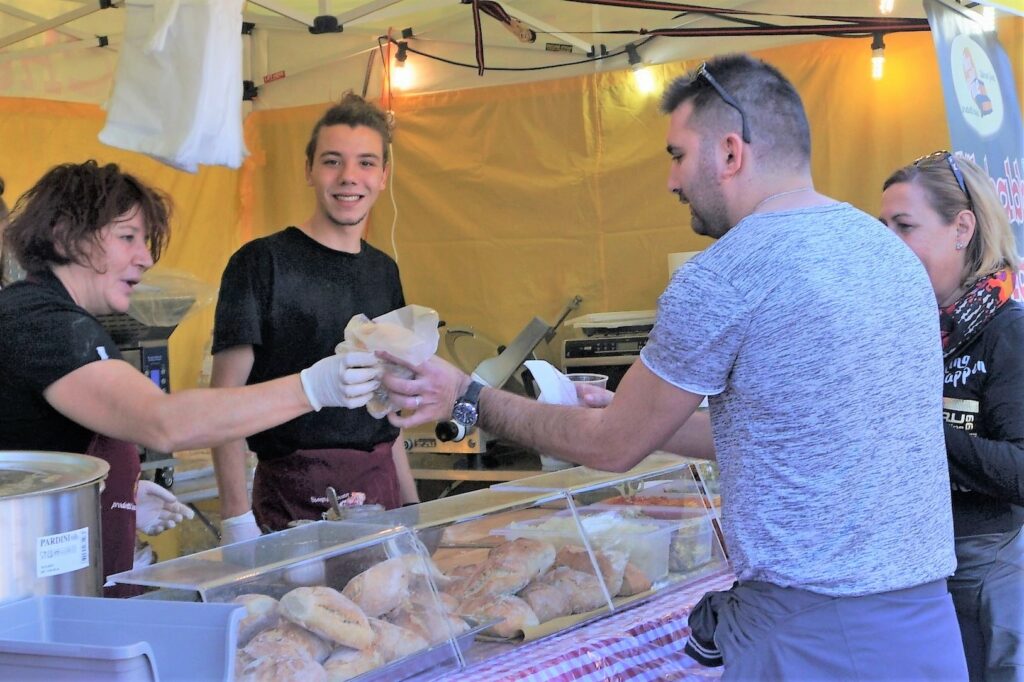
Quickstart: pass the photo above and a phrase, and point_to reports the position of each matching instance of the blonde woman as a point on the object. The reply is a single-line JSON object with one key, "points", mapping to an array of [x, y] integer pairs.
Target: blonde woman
{"points": [[946, 210]]}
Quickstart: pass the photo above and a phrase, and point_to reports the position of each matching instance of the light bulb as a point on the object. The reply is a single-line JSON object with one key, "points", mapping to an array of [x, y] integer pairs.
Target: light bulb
{"points": [[886, 6], [877, 63], [402, 76], [644, 79]]}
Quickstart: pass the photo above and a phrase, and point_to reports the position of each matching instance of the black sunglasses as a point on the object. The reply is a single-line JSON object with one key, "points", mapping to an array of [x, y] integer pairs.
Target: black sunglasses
{"points": [[703, 72], [953, 166]]}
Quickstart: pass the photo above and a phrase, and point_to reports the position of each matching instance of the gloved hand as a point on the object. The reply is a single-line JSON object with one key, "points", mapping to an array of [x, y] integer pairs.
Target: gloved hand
{"points": [[157, 509], [238, 528], [342, 380]]}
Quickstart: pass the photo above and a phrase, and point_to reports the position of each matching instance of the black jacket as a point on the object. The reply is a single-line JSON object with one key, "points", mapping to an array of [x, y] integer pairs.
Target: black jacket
{"points": [[983, 407]]}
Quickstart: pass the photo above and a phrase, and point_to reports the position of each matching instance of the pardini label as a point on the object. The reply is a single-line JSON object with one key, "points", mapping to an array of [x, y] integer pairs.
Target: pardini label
{"points": [[62, 553]]}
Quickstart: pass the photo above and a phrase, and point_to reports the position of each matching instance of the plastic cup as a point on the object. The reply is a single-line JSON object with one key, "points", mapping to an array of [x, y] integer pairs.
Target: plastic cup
{"points": [[589, 378]]}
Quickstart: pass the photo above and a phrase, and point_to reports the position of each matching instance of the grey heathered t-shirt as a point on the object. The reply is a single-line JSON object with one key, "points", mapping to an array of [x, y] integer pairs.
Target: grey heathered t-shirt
{"points": [[815, 333]]}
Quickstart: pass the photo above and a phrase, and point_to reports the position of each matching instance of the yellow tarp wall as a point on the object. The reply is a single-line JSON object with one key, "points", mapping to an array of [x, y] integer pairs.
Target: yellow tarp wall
{"points": [[512, 199]]}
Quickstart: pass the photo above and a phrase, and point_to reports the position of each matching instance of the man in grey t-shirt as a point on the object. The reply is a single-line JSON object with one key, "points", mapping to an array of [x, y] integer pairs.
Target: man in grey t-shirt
{"points": [[813, 330]]}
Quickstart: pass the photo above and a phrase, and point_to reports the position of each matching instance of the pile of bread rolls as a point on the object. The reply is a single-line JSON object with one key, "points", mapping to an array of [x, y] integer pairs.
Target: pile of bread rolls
{"points": [[526, 582], [319, 634]]}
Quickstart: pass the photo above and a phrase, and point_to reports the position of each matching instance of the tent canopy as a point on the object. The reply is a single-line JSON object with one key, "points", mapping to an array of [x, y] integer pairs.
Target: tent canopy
{"points": [[67, 49]]}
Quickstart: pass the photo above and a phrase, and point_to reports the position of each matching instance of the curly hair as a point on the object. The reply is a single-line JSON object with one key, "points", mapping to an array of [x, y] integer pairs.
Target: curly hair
{"points": [[352, 110], [69, 206]]}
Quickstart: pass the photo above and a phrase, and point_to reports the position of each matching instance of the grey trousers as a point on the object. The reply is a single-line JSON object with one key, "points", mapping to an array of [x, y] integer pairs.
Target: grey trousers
{"points": [[988, 592], [766, 632]]}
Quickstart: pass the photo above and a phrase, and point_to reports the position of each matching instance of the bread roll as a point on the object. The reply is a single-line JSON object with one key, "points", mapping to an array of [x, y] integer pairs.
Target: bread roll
{"points": [[612, 563], [380, 588], [423, 595], [329, 614], [515, 614], [288, 639], [547, 601], [534, 557], [430, 623], [634, 581], [282, 669], [394, 642], [345, 663], [260, 614], [424, 567], [492, 580], [583, 589]]}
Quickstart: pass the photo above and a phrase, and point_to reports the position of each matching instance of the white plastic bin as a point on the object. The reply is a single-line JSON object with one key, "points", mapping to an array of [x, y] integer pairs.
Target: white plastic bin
{"points": [[88, 638]]}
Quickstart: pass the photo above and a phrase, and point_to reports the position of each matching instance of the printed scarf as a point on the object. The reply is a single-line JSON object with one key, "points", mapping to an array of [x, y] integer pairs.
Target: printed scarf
{"points": [[962, 321]]}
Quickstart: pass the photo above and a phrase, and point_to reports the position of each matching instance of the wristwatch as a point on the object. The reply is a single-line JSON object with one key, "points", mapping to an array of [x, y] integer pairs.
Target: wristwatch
{"points": [[467, 410]]}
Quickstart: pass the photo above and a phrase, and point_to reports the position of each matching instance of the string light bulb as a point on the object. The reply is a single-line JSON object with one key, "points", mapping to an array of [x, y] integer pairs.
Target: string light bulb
{"points": [[886, 6], [642, 76], [402, 75], [877, 57]]}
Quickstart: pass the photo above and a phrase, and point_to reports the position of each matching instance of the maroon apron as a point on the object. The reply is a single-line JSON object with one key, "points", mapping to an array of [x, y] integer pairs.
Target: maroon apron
{"points": [[117, 509], [294, 487]]}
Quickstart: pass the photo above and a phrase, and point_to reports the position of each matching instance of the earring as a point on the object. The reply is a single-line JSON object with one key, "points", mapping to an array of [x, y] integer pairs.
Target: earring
{"points": [[960, 246]]}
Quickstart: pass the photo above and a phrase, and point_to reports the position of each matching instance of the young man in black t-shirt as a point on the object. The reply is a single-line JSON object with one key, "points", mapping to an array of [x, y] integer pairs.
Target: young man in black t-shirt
{"points": [[306, 282]]}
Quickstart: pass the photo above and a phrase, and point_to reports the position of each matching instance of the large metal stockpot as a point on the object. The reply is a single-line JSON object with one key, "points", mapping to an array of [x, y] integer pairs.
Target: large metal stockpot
{"points": [[50, 524]]}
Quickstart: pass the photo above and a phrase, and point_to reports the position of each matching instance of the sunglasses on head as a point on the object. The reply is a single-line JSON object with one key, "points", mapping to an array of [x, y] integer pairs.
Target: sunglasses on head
{"points": [[703, 72], [947, 156]]}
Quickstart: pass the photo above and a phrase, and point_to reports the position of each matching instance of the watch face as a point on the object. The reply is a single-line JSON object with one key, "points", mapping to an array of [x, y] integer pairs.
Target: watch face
{"points": [[465, 413]]}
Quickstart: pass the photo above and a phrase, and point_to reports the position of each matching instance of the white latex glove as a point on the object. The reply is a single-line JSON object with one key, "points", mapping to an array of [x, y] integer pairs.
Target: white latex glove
{"points": [[238, 528], [342, 380], [157, 509]]}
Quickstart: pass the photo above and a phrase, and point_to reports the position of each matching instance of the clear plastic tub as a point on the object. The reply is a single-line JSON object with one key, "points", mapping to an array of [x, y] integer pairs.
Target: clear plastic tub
{"points": [[88, 638], [691, 544], [645, 539]]}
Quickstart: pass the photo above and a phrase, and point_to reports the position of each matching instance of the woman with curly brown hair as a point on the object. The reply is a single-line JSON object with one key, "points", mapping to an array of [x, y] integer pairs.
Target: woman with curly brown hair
{"points": [[85, 234]]}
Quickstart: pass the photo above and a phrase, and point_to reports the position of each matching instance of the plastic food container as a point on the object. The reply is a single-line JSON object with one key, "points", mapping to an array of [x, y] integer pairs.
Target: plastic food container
{"points": [[645, 539], [691, 544], [88, 638]]}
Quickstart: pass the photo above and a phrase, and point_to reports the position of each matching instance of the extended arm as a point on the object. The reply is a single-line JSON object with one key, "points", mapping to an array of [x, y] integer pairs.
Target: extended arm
{"points": [[113, 398], [645, 412]]}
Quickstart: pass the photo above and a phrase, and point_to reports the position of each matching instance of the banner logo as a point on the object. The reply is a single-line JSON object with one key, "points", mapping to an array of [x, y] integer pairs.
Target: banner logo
{"points": [[977, 89]]}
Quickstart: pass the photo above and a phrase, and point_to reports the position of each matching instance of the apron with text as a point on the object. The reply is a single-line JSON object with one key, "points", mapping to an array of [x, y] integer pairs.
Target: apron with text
{"points": [[294, 487], [117, 513]]}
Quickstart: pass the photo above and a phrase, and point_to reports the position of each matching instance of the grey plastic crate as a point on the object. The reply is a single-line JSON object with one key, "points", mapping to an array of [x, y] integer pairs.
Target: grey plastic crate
{"points": [[88, 638]]}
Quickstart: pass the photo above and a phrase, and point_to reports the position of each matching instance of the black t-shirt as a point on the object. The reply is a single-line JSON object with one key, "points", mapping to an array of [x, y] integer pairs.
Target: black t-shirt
{"points": [[983, 408], [45, 336], [290, 297]]}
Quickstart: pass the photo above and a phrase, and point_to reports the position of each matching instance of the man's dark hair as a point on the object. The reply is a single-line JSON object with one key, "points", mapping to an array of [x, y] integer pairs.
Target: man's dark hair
{"points": [[352, 111], [773, 108], [52, 222]]}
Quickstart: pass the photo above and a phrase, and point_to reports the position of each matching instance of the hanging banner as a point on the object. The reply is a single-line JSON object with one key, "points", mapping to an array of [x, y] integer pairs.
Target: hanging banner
{"points": [[981, 105]]}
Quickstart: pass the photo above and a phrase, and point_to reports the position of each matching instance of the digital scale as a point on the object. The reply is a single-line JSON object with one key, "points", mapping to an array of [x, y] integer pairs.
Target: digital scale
{"points": [[609, 343]]}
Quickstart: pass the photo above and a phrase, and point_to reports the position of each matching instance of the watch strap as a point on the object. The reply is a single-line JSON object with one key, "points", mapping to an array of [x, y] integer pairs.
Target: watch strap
{"points": [[472, 394]]}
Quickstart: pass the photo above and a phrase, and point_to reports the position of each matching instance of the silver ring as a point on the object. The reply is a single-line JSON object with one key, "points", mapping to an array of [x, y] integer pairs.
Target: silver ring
{"points": [[417, 405]]}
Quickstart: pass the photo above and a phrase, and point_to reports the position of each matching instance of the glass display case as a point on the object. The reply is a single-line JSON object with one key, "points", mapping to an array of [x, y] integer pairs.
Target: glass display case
{"points": [[358, 600], [462, 578]]}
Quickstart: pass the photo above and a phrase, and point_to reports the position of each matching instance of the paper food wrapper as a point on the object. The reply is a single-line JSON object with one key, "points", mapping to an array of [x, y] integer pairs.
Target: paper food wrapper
{"points": [[409, 333], [555, 388]]}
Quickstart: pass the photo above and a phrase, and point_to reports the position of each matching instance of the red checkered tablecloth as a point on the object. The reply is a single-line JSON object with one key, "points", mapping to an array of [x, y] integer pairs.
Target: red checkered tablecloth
{"points": [[643, 643]]}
